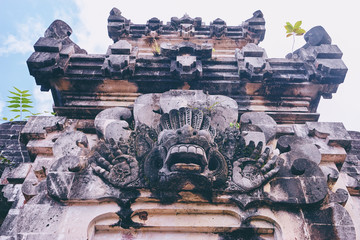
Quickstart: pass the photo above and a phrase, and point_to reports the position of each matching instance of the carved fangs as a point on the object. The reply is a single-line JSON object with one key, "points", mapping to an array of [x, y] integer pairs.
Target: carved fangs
{"points": [[186, 157]]}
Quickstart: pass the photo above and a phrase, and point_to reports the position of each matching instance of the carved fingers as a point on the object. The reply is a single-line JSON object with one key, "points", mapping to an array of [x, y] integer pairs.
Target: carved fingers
{"points": [[251, 172], [263, 158], [113, 166], [102, 166], [271, 167]]}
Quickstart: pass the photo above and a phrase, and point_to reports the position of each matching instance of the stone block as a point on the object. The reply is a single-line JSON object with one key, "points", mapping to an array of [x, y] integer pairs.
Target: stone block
{"points": [[331, 67], [48, 45], [298, 147], [41, 147], [59, 184], [67, 50], [121, 47], [118, 62], [315, 188], [41, 60], [38, 127], [327, 51], [58, 30], [287, 190], [111, 123], [70, 144], [253, 50], [30, 221], [18, 174], [263, 121], [334, 133], [340, 196]]}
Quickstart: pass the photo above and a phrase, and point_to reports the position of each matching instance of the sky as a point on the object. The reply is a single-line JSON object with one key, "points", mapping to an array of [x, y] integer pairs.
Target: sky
{"points": [[23, 22]]}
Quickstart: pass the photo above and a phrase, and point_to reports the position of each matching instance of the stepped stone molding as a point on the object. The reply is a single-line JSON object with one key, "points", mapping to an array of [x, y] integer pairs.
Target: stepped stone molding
{"points": [[187, 54]]}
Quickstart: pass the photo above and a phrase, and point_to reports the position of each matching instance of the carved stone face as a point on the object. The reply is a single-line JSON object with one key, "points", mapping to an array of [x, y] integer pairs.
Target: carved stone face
{"points": [[185, 157]]}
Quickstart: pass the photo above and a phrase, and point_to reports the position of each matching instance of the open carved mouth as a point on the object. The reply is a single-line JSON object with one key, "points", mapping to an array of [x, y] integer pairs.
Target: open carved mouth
{"points": [[186, 158]]}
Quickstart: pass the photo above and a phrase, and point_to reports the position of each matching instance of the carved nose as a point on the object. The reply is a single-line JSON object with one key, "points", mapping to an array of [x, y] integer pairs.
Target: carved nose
{"points": [[187, 130]]}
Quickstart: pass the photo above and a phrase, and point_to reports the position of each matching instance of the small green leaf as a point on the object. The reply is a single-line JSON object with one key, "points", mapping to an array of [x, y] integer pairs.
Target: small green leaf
{"points": [[14, 106], [15, 110], [17, 116], [25, 95], [5, 118], [288, 28], [17, 89], [297, 24], [14, 93], [15, 98], [26, 101], [25, 110], [300, 31], [25, 91], [26, 106], [289, 24], [14, 101]]}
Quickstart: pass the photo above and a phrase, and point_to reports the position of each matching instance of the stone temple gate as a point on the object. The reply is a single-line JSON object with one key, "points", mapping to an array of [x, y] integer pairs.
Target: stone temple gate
{"points": [[182, 131]]}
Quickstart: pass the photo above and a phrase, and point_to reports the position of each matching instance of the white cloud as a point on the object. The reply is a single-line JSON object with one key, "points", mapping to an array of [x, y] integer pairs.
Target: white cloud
{"points": [[22, 41], [43, 101], [2, 105], [91, 30]]}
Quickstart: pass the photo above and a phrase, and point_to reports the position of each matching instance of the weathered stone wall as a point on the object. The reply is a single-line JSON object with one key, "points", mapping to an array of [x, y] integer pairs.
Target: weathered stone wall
{"points": [[14, 165], [77, 189]]}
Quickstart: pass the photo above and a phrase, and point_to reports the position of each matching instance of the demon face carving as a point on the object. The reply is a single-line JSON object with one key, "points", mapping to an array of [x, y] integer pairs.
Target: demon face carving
{"points": [[185, 156]]}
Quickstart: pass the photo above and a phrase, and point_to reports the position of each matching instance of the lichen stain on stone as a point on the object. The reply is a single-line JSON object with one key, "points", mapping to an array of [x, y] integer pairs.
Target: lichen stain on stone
{"points": [[186, 86], [126, 198], [117, 86], [62, 84]]}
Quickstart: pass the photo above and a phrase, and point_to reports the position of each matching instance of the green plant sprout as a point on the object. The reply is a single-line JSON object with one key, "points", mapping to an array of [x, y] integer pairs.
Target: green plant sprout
{"points": [[4, 160], [156, 48], [20, 103], [295, 30], [235, 125]]}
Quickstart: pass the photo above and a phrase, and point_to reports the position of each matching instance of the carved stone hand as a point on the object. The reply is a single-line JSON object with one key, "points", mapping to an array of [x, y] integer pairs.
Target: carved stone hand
{"points": [[117, 168], [250, 172]]}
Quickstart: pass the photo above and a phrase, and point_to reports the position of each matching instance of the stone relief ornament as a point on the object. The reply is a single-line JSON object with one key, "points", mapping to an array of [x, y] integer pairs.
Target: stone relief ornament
{"points": [[109, 162], [183, 155], [251, 172], [173, 142]]}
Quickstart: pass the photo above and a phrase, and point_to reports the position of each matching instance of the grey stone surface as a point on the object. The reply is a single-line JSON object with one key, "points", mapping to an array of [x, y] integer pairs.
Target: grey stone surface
{"points": [[297, 147], [261, 120], [37, 127], [71, 143], [121, 47], [112, 123], [58, 30]]}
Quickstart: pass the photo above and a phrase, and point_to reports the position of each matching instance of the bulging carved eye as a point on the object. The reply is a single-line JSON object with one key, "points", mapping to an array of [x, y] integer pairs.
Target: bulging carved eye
{"points": [[179, 132], [195, 133]]}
